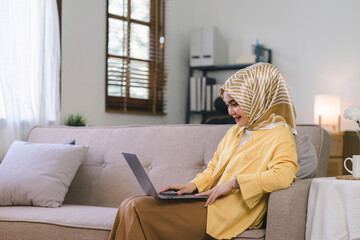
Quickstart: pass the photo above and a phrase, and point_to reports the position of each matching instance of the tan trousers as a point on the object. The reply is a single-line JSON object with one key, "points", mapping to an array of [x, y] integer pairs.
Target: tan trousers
{"points": [[144, 217]]}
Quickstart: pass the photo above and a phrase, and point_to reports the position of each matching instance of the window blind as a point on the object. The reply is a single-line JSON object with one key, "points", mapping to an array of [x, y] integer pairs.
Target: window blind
{"points": [[135, 81]]}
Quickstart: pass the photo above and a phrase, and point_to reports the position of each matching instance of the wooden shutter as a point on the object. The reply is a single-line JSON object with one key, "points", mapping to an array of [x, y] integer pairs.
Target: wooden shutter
{"points": [[135, 57]]}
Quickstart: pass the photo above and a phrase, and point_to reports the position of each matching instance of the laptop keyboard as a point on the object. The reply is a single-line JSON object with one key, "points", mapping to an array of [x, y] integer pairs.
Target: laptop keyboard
{"points": [[172, 193]]}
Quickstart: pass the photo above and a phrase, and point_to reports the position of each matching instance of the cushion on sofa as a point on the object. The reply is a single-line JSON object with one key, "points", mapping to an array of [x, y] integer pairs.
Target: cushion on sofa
{"points": [[38, 174], [307, 157], [89, 217]]}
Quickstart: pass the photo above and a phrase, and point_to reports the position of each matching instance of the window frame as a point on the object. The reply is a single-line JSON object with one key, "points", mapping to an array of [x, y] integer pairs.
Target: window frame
{"points": [[155, 104]]}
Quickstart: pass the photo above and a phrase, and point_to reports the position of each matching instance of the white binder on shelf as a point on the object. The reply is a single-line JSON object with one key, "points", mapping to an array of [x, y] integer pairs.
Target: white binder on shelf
{"points": [[198, 93], [203, 93], [209, 103], [207, 47], [193, 92], [214, 48], [195, 47]]}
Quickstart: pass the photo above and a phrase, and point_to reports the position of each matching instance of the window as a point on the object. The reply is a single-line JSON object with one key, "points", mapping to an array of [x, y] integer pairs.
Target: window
{"points": [[135, 80]]}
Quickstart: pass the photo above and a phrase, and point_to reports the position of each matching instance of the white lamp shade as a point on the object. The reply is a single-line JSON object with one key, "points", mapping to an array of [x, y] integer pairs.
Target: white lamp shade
{"points": [[328, 107]]}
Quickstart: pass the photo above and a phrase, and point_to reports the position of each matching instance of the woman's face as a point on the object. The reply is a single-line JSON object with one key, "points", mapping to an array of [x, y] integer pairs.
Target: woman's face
{"points": [[235, 110]]}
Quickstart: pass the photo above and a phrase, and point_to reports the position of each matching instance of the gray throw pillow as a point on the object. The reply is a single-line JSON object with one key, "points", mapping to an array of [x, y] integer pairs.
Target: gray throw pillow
{"points": [[307, 158], [38, 174]]}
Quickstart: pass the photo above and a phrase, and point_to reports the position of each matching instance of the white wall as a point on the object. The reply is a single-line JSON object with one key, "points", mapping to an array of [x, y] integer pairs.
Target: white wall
{"points": [[83, 65], [315, 44]]}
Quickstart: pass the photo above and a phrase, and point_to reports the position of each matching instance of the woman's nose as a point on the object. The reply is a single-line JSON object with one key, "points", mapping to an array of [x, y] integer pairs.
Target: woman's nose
{"points": [[231, 111]]}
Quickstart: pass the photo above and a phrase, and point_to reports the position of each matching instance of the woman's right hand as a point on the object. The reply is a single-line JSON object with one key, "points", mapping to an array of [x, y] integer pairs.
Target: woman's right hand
{"points": [[181, 188]]}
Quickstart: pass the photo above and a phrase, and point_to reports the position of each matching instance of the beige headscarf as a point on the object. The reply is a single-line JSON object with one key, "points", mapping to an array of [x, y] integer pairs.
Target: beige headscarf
{"points": [[262, 92]]}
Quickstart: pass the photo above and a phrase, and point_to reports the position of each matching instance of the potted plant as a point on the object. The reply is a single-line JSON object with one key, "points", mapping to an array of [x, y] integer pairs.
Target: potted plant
{"points": [[76, 120]]}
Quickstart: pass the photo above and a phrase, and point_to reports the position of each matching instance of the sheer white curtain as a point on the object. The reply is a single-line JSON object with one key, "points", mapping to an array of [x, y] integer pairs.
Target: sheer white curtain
{"points": [[29, 68]]}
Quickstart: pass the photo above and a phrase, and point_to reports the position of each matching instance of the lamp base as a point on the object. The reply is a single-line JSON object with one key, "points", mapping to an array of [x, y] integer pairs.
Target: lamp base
{"points": [[335, 127]]}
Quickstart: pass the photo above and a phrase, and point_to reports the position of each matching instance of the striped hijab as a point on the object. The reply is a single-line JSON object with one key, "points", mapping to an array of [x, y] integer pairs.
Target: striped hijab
{"points": [[262, 92]]}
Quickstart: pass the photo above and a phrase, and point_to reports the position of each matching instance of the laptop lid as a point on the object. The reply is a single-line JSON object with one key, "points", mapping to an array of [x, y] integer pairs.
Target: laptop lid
{"points": [[140, 174], [146, 183]]}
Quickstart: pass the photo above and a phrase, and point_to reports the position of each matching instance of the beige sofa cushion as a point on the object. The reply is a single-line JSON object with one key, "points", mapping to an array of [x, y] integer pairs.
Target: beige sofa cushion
{"points": [[38, 174]]}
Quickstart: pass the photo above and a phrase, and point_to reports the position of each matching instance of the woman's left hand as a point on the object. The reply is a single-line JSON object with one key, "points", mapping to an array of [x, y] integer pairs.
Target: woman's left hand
{"points": [[218, 191]]}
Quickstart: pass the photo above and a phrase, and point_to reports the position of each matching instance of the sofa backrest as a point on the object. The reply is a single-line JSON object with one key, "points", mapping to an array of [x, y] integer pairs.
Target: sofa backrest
{"points": [[171, 154]]}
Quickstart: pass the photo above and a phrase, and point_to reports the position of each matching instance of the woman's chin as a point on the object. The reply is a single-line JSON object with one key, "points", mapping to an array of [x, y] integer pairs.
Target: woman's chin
{"points": [[240, 124]]}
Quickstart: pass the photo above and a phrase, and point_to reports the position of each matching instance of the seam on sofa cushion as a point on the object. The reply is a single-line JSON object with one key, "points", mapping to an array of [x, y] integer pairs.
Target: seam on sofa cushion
{"points": [[57, 224]]}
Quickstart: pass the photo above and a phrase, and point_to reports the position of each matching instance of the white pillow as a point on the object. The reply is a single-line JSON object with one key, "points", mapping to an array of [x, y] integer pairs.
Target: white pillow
{"points": [[38, 174], [307, 158]]}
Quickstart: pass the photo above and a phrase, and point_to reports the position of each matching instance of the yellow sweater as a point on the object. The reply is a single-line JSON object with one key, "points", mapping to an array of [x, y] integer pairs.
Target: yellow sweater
{"points": [[267, 162]]}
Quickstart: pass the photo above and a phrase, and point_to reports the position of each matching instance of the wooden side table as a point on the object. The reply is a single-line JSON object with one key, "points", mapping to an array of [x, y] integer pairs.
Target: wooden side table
{"points": [[351, 147], [335, 166], [343, 145]]}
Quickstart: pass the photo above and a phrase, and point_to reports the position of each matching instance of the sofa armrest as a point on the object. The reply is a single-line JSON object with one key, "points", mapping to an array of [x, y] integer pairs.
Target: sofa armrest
{"points": [[286, 217]]}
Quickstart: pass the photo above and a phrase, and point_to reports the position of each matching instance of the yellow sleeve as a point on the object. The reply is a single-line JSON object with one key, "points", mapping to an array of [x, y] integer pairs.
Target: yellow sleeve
{"points": [[281, 172], [202, 179]]}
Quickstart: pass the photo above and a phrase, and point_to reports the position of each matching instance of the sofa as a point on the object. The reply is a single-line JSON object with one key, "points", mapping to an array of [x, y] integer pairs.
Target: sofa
{"points": [[170, 154]]}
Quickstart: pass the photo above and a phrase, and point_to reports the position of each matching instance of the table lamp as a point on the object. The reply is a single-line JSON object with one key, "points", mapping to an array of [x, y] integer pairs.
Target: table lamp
{"points": [[327, 111]]}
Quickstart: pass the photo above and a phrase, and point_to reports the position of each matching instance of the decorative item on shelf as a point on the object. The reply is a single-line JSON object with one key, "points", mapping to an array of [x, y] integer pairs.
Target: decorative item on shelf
{"points": [[76, 120], [262, 54], [327, 111], [353, 113], [246, 59]]}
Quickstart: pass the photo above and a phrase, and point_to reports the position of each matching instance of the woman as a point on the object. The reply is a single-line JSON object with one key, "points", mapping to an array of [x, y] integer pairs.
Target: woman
{"points": [[255, 157]]}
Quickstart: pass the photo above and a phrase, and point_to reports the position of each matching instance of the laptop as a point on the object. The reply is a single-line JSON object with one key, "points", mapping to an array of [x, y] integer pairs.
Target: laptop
{"points": [[147, 185]]}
